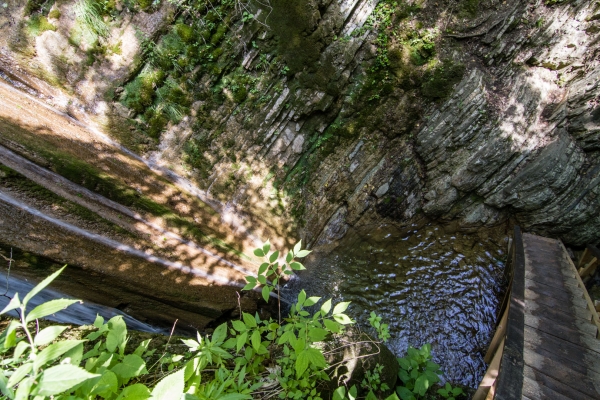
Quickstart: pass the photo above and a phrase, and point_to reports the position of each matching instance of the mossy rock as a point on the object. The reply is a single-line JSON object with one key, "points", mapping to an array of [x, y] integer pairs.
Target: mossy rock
{"points": [[185, 32], [439, 82]]}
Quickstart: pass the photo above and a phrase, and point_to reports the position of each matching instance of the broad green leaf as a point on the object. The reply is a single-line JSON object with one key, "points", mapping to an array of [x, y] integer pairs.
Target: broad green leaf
{"points": [[457, 391], [311, 301], [13, 304], [405, 393], [238, 325], [297, 266], [99, 321], [332, 326], [340, 307], [106, 385], [61, 378], [339, 393], [24, 389], [263, 267], [40, 286], [309, 356], [117, 335], [289, 257], [137, 391], [371, 396], [48, 334], [8, 338], [75, 355], [19, 374], [317, 334], [142, 348], [4, 388], [131, 366], [249, 320], [49, 308], [352, 393], [259, 253], [262, 280], [255, 340], [301, 299], [249, 286], [170, 387], [343, 319], [241, 341], [219, 334], [404, 363], [20, 349], [302, 253], [266, 291], [54, 351], [422, 384], [326, 307], [266, 247], [273, 257], [297, 247], [393, 396]]}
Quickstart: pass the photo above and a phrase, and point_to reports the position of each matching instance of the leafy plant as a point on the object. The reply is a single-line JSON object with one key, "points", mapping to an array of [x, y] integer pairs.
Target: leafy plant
{"points": [[449, 392], [417, 372], [383, 332]]}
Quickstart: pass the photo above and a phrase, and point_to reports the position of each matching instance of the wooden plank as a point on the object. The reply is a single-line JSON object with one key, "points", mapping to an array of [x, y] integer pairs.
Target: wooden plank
{"points": [[554, 281], [562, 373], [534, 390], [569, 351], [553, 384], [591, 307], [491, 375], [559, 294], [564, 331], [559, 301], [498, 338], [579, 318], [585, 257], [510, 376]]}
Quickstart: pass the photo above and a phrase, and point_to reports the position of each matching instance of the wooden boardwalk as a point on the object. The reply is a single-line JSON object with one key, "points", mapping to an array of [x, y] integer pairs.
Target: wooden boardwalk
{"points": [[547, 341]]}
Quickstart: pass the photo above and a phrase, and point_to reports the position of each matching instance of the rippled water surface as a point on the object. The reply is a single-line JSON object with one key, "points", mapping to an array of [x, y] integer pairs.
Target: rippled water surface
{"points": [[431, 287]]}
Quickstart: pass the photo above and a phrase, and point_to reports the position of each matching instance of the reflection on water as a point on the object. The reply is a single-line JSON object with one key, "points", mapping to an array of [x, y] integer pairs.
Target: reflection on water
{"points": [[431, 287]]}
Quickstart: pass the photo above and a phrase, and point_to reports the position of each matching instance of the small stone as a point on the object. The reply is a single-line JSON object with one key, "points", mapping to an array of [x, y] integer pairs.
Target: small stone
{"points": [[382, 190]]}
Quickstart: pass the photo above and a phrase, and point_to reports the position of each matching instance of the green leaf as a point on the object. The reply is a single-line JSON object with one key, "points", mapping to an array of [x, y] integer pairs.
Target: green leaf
{"points": [[4, 388], [266, 247], [24, 389], [75, 355], [241, 341], [19, 374], [235, 396], [339, 393], [332, 326], [457, 391], [263, 267], [309, 356], [8, 338], [48, 308], [131, 366], [106, 385], [422, 384], [99, 321], [289, 257], [142, 348], [326, 307], [219, 334], [266, 291], [301, 299], [311, 301], [297, 266], [61, 378], [405, 393], [40, 286], [317, 334], [48, 334], [393, 396], [340, 307], [255, 340], [249, 286], [273, 257], [259, 253], [352, 393], [170, 387], [13, 304], [262, 280], [371, 396], [117, 334], [249, 320], [54, 351], [302, 253], [343, 319], [297, 247], [238, 325], [137, 391]]}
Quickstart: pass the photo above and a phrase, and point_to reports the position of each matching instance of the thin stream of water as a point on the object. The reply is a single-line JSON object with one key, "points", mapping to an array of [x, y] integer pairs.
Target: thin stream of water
{"points": [[431, 287]]}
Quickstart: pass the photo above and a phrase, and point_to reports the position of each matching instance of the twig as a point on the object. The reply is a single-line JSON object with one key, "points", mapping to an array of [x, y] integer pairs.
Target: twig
{"points": [[10, 260]]}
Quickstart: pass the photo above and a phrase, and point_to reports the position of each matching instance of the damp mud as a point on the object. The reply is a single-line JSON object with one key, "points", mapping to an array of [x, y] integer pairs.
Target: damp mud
{"points": [[428, 285]]}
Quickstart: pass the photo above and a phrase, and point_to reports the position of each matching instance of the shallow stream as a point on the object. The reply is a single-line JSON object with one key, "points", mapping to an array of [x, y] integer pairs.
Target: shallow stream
{"points": [[430, 286]]}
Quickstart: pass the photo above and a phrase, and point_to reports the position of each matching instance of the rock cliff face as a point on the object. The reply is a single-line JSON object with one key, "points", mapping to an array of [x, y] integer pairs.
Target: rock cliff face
{"points": [[325, 114]]}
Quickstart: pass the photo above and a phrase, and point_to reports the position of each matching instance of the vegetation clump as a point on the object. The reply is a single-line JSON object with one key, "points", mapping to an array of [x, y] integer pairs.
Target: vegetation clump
{"points": [[247, 358]]}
